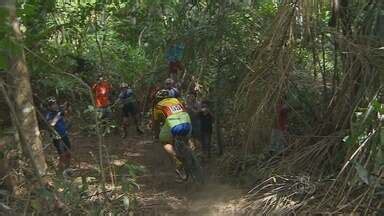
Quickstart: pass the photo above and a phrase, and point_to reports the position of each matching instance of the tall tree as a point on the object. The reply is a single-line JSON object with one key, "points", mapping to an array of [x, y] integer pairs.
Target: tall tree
{"points": [[19, 89]]}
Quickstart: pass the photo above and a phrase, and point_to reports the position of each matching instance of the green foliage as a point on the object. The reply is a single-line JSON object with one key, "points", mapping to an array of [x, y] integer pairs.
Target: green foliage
{"points": [[297, 53], [84, 32], [366, 128], [106, 126], [4, 29]]}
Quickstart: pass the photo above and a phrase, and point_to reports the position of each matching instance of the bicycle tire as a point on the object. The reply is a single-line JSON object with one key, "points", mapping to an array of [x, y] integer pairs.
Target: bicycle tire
{"points": [[191, 165], [196, 170]]}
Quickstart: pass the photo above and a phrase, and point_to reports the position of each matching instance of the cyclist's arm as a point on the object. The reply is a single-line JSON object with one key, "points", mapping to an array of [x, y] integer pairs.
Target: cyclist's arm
{"points": [[119, 97], [49, 118], [52, 120]]}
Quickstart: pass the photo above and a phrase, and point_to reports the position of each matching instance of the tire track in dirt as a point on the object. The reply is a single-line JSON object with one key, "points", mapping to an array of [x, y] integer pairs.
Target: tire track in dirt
{"points": [[159, 194]]}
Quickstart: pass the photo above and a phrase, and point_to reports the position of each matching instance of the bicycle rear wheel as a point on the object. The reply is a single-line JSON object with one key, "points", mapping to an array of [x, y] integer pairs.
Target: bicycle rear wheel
{"points": [[191, 164]]}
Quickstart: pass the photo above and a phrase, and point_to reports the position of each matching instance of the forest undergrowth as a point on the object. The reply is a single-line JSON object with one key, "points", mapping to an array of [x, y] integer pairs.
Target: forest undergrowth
{"points": [[321, 60]]}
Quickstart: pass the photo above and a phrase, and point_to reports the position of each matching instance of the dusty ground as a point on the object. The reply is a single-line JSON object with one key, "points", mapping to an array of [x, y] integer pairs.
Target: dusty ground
{"points": [[159, 193]]}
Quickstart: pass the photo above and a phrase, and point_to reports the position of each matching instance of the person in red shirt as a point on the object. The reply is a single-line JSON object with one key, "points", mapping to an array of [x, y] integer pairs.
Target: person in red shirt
{"points": [[174, 68], [279, 132], [282, 117], [102, 90]]}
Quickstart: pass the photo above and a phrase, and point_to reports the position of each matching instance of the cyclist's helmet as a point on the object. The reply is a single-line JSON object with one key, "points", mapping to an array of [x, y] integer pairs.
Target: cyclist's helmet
{"points": [[51, 100], [123, 85], [162, 94]]}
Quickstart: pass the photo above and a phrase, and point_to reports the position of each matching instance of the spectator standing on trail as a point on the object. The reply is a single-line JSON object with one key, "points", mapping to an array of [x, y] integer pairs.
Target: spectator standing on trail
{"points": [[170, 86], [102, 90], [193, 109], [174, 68], [279, 132], [55, 118], [206, 128], [174, 55], [129, 108]]}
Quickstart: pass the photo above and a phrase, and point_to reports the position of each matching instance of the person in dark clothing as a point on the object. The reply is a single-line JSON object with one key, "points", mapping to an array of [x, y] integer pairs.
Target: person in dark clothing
{"points": [[206, 122], [55, 118], [280, 131], [128, 101], [193, 109]]}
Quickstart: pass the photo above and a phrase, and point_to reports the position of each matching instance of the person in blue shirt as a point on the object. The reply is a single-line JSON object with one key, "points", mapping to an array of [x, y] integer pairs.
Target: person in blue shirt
{"points": [[55, 118], [174, 55], [128, 101]]}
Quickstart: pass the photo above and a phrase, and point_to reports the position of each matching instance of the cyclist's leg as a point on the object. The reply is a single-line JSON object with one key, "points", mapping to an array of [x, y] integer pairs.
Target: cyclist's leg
{"points": [[182, 129], [67, 151], [125, 122], [204, 145], [134, 115], [125, 126], [166, 139], [209, 139], [191, 165], [108, 112], [60, 151]]}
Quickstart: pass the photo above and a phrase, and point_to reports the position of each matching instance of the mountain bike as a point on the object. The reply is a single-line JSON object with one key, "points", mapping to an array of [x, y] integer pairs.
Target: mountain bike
{"points": [[189, 161]]}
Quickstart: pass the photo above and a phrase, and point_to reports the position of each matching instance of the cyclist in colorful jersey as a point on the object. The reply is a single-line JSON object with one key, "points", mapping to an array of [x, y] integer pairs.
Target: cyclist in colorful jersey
{"points": [[55, 118], [128, 100], [171, 114], [102, 90]]}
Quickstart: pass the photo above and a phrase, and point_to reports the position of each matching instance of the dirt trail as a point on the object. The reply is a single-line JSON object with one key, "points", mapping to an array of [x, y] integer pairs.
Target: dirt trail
{"points": [[159, 193]]}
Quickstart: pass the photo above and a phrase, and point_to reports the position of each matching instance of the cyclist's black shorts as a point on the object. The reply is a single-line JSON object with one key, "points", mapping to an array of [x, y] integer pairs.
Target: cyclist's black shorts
{"points": [[129, 109], [62, 145]]}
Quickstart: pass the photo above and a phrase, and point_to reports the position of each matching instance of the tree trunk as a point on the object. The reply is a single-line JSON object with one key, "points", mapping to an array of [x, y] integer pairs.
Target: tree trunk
{"points": [[219, 83], [335, 13], [20, 92], [218, 114]]}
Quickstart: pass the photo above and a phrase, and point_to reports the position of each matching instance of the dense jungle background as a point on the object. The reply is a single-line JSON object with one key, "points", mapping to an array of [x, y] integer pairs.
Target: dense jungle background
{"points": [[295, 88]]}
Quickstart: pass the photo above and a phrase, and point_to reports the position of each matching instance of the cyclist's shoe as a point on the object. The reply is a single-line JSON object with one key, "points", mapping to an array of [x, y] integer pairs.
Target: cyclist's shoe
{"points": [[139, 131], [181, 176], [123, 134]]}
